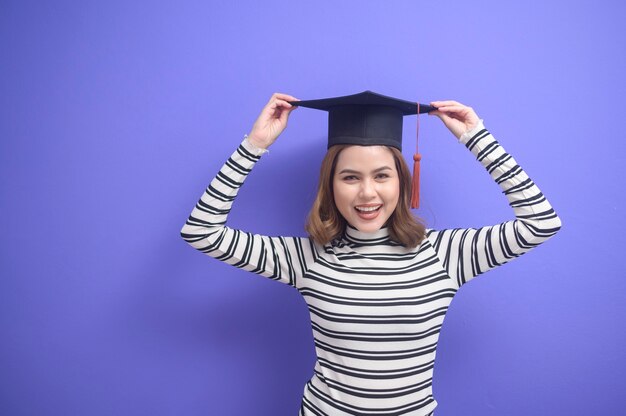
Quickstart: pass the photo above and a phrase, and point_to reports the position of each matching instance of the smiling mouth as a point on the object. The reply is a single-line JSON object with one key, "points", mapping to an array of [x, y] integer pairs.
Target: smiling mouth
{"points": [[368, 208]]}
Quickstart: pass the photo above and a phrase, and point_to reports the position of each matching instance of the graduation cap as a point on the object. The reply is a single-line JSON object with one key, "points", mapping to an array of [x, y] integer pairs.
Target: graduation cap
{"points": [[368, 119]]}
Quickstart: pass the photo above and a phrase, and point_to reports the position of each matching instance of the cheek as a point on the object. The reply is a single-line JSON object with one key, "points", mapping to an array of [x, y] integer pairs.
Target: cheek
{"points": [[340, 194], [392, 192]]}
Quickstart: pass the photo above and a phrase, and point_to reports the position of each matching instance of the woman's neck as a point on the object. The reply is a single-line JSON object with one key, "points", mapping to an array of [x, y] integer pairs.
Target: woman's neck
{"points": [[356, 235]]}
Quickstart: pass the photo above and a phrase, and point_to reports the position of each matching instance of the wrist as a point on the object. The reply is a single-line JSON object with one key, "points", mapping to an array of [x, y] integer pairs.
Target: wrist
{"points": [[250, 144], [472, 131], [256, 142]]}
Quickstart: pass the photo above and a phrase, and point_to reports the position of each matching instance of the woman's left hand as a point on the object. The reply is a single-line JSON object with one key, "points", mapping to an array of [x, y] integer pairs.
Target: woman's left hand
{"points": [[457, 117]]}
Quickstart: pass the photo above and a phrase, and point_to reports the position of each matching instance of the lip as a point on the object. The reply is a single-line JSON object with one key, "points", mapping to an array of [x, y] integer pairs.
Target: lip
{"points": [[367, 205], [368, 215]]}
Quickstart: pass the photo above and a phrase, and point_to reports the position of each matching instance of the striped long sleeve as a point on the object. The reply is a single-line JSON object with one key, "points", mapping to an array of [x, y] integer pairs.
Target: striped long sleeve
{"points": [[280, 258], [466, 253]]}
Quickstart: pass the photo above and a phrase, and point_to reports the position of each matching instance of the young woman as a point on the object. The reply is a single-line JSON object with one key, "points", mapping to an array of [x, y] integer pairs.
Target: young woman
{"points": [[376, 281]]}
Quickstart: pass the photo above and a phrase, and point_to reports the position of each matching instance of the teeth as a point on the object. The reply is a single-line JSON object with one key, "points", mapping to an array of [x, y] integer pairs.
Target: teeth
{"points": [[368, 209]]}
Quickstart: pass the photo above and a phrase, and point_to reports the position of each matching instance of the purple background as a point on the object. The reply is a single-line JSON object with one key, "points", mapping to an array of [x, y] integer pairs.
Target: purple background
{"points": [[115, 115]]}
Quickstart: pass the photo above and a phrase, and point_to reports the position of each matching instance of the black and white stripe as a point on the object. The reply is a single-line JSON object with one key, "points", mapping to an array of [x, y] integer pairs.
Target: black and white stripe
{"points": [[376, 307]]}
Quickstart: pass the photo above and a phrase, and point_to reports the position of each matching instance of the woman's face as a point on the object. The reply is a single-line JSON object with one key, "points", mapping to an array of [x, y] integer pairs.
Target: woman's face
{"points": [[366, 186]]}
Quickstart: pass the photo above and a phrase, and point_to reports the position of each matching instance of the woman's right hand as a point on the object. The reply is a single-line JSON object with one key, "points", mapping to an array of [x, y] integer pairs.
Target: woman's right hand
{"points": [[272, 120]]}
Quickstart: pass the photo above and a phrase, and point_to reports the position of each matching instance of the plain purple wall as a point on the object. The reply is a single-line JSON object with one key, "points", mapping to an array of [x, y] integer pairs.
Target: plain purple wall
{"points": [[115, 115]]}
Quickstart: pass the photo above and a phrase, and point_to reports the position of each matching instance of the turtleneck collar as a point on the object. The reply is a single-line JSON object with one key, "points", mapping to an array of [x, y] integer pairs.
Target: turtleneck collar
{"points": [[356, 235]]}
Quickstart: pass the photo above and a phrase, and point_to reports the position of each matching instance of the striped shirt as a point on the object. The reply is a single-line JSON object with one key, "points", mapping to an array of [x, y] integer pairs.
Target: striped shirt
{"points": [[376, 307]]}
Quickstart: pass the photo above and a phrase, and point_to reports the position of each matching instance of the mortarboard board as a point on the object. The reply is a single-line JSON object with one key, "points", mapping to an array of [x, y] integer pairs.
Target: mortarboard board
{"points": [[368, 119]]}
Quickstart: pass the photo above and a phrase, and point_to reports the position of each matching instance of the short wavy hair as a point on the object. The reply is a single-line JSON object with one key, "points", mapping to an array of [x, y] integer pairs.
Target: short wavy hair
{"points": [[325, 223]]}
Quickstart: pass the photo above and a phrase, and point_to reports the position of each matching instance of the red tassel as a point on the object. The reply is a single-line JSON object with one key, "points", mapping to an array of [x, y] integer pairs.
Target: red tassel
{"points": [[415, 186]]}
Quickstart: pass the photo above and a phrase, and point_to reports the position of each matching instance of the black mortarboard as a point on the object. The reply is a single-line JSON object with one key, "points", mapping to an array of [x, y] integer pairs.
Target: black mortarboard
{"points": [[368, 119]]}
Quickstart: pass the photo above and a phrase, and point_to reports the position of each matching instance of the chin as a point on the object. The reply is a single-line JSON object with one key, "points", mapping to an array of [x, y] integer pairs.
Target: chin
{"points": [[369, 228]]}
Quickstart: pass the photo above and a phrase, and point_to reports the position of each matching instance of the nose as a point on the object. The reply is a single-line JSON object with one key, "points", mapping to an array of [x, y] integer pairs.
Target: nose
{"points": [[368, 190]]}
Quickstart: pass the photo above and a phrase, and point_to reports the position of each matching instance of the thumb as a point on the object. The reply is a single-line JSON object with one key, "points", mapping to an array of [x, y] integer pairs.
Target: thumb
{"points": [[284, 115], [441, 115]]}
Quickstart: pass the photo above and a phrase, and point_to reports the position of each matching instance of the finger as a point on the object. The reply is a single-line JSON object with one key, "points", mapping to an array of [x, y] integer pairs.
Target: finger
{"points": [[442, 116], [285, 97], [276, 105], [285, 109], [282, 105], [456, 109], [445, 102], [284, 115]]}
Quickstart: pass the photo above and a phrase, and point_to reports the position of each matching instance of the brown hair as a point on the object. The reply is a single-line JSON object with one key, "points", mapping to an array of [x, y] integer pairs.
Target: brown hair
{"points": [[325, 222]]}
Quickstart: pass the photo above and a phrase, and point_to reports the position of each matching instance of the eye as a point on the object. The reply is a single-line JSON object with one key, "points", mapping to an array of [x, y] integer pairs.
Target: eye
{"points": [[382, 176], [350, 178]]}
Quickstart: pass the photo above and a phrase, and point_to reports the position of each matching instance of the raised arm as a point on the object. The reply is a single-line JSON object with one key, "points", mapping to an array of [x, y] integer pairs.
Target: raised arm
{"points": [[469, 252], [279, 258]]}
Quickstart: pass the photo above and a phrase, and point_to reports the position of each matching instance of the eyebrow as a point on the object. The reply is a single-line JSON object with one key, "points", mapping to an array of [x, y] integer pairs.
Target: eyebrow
{"points": [[380, 169]]}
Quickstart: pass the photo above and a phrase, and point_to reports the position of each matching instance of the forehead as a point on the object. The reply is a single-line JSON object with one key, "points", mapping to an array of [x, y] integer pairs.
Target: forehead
{"points": [[365, 158]]}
